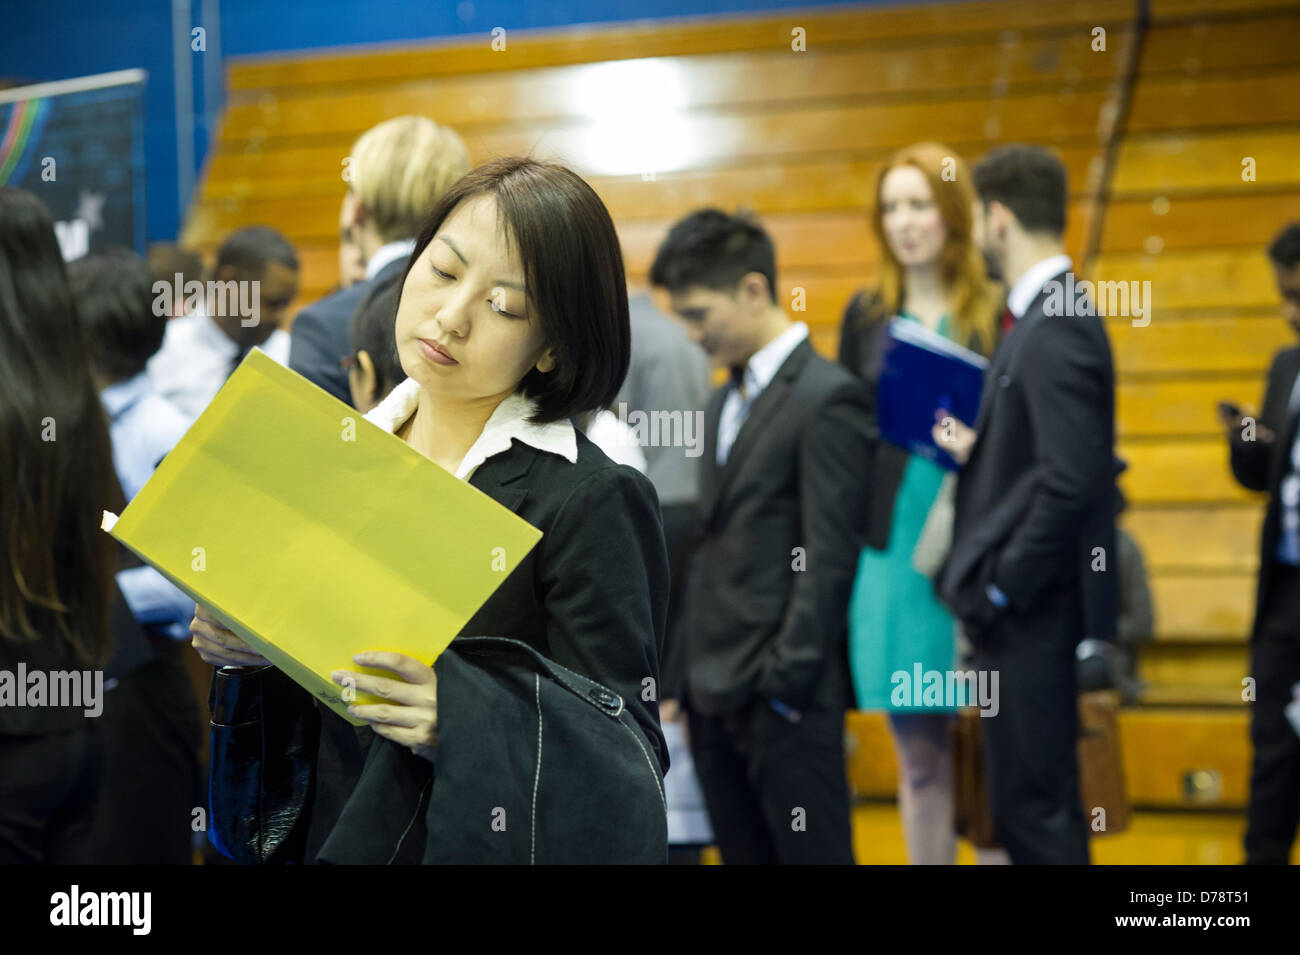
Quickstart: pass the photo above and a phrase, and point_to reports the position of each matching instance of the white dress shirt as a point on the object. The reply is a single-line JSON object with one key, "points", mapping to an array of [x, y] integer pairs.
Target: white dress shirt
{"points": [[759, 372], [194, 361], [508, 421], [1288, 539], [387, 253], [144, 427], [616, 440], [1028, 286]]}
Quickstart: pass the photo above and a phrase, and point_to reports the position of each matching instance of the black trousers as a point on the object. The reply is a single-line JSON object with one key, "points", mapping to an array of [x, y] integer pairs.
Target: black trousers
{"points": [[776, 791], [681, 534], [152, 783], [49, 784], [1273, 812], [1031, 745]]}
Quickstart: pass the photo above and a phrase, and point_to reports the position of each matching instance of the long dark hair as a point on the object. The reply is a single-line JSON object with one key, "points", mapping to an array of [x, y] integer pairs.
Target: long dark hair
{"points": [[56, 465]]}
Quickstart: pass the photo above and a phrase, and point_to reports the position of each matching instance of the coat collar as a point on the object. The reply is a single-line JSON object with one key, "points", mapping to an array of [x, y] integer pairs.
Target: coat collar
{"points": [[1033, 313], [509, 422], [494, 463], [1031, 284]]}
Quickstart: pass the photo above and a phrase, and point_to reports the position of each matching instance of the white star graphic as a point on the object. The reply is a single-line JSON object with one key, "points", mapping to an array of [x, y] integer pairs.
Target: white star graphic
{"points": [[90, 209]]}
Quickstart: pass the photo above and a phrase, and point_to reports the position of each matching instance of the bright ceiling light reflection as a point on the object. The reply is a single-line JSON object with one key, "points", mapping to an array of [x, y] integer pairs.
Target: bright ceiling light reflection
{"points": [[635, 109]]}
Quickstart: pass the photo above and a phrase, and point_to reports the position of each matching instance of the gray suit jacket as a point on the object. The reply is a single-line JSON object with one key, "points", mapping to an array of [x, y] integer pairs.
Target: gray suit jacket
{"points": [[668, 384]]}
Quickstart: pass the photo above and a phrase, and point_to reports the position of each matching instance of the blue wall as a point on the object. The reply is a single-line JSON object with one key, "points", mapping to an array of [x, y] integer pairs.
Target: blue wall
{"points": [[61, 39], [45, 40]]}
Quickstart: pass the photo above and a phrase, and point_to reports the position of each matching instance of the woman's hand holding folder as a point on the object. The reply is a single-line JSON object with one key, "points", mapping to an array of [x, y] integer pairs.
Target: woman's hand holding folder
{"points": [[218, 645], [411, 719]]}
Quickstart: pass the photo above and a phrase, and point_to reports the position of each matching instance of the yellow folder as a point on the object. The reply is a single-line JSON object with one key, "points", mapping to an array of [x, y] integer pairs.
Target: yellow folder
{"points": [[315, 534]]}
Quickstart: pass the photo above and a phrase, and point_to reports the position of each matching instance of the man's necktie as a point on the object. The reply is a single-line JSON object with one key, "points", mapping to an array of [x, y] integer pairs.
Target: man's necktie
{"points": [[724, 445], [738, 379], [1008, 321]]}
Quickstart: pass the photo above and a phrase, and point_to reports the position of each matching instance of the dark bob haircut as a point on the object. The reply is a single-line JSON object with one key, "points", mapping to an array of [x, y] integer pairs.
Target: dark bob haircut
{"points": [[114, 296], [371, 331], [573, 273]]}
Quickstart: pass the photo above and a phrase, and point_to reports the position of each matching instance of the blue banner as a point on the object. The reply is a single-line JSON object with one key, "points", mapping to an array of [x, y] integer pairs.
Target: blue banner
{"points": [[79, 146]]}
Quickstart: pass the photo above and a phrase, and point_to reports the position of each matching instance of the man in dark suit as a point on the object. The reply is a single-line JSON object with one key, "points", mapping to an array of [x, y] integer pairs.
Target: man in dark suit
{"points": [[1265, 456], [764, 623], [1034, 522], [396, 172]]}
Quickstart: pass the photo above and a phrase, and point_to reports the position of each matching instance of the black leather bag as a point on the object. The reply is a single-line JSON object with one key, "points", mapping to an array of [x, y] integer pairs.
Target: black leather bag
{"points": [[262, 765], [535, 764]]}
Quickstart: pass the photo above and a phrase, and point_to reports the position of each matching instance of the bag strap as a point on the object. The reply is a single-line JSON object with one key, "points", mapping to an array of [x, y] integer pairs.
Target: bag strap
{"points": [[602, 698]]}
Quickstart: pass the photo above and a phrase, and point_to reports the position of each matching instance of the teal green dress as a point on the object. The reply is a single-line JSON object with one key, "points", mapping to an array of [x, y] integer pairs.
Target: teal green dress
{"points": [[895, 620]]}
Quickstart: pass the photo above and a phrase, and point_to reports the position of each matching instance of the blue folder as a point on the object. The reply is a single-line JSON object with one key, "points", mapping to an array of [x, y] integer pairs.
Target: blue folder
{"points": [[922, 371]]}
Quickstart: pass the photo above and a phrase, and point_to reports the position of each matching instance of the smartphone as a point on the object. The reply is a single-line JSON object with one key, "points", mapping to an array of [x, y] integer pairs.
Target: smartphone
{"points": [[1230, 411]]}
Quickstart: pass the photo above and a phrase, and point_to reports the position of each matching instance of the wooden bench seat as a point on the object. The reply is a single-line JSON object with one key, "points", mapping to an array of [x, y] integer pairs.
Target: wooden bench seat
{"points": [[1161, 748]]}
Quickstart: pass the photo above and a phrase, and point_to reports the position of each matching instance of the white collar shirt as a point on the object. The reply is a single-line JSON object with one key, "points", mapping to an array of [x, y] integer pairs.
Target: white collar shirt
{"points": [[1025, 290], [143, 426], [386, 254], [509, 421], [195, 360], [759, 372], [1288, 538]]}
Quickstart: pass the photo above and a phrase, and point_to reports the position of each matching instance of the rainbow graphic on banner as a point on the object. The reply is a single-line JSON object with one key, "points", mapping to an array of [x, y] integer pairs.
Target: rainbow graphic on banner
{"points": [[26, 120]]}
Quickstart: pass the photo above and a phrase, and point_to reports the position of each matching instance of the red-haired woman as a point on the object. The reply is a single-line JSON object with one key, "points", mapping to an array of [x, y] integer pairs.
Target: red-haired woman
{"points": [[931, 273]]}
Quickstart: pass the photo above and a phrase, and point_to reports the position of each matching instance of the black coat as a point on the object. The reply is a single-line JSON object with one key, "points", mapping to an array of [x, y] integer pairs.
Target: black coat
{"points": [[535, 765], [591, 596], [766, 610], [1261, 467], [319, 337], [1037, 494]]}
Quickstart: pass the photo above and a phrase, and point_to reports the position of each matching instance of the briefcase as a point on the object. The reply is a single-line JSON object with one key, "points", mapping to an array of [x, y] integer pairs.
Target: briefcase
{"points": [[1101, 763], [972, 817], [1101, 771]]}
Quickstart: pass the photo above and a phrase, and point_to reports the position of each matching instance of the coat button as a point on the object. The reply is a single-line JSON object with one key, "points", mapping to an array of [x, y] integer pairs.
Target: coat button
{"points": [[1004, 381], [604, 698]]}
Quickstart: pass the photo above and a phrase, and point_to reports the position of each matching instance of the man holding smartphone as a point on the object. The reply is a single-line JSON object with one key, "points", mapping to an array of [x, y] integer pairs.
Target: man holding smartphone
{"points": [[1265, 454]]}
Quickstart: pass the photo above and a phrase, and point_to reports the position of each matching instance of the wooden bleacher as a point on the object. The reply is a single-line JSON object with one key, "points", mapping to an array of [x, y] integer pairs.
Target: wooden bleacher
{"points": [[1212, 88], [1153, 131]]}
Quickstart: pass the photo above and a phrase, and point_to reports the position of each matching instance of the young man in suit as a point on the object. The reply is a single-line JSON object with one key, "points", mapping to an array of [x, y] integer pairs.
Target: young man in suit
{"points": [[396, 172], [1265, 456], [255, 280], [763, 628], [1034, 523]]}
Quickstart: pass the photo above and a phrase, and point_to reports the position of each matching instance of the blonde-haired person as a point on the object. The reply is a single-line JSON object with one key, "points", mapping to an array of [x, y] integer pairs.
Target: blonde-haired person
{"points": [[931, 272], [395, 173]]}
